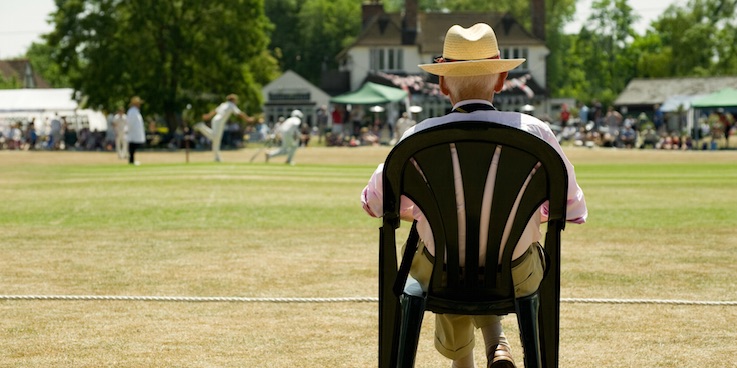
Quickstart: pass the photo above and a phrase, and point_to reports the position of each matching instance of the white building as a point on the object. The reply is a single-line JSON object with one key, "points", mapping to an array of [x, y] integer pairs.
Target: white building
{"points": [[391, 45], [289, 92]]}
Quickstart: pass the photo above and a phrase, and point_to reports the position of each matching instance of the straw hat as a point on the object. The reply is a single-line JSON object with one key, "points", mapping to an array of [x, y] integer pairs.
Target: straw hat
{"points": [[135, 100], [469, 52], [232, 97]]}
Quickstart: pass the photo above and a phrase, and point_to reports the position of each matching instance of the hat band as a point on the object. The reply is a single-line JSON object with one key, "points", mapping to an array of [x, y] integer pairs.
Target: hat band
{"points": [[441, 59]]}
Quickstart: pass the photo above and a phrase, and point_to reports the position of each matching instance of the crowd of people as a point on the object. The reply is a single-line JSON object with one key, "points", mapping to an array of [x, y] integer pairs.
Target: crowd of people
{"points": [[55, 134], [582, 125], [594, 127]]}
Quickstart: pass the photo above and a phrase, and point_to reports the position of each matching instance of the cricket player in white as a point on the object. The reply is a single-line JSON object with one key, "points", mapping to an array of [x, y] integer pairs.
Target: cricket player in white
{"points": [[220, 117], [289, 132]]}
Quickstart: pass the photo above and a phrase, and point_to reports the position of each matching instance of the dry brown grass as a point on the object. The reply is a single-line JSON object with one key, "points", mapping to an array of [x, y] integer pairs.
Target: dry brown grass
{"points": [[262, 258]]}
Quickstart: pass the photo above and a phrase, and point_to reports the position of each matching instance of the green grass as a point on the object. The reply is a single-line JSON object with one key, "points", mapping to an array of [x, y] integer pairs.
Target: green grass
{"points": [[659, 227]]}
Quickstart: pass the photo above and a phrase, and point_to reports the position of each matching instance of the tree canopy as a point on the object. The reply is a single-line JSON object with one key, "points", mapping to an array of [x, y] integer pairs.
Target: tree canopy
{"points": [[309, 34], [171, 53], [697, 39]]}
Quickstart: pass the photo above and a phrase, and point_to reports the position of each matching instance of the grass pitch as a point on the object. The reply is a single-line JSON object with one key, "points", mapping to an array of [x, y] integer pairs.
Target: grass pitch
{"points": [[661, 226]]}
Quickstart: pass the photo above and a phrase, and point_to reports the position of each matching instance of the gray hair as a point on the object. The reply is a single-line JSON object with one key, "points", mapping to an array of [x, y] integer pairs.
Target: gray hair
{"points": [[475, 87]]}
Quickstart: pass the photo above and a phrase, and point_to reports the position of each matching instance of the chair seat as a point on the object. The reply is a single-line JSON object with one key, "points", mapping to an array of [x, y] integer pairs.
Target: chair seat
{"points": [[479, 307]]}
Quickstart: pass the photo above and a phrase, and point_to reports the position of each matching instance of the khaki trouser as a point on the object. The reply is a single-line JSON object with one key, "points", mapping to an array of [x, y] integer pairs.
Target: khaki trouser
{"points": [[454, 334]]}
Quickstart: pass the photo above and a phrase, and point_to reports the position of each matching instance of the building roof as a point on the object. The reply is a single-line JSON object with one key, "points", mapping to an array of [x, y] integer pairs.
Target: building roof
{"points": [[657, 91], [386, 30], [433, 26], [17, 69]]}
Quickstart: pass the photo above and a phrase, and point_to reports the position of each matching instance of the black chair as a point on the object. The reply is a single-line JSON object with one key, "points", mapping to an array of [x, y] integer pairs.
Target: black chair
{"points": [[529, 172]]}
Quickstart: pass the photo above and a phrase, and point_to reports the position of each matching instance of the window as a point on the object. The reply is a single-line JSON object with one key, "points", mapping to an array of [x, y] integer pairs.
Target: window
{"points": [[515, 53], [386, 59]]}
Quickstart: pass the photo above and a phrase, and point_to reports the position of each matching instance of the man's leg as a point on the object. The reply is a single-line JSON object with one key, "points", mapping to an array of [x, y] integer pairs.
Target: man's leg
{"points": [[217, 137], [291, 149], [203, 129], [132, 147], [454, 334], [527, 273]]}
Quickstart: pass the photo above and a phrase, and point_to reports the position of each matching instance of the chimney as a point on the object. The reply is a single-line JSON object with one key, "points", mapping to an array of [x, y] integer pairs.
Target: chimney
{"points": [[537, 8], [409, 22], [369, 10]]}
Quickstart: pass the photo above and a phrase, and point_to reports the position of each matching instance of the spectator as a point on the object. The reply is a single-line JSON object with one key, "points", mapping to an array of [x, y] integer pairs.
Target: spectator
{"points": [[401, 126], [650, 138], [583, 114], [658, 118], [368, 137], [338, 118], [30, 136], [628, 136], [70, 136], [15, 137], [565, 115], [55, 134], [322, 123], [120, 127]]}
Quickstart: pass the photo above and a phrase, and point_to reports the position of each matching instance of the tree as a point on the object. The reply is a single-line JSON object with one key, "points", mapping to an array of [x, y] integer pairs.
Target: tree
{"points": [[285, 44], [171, 53], [700, 38], [599, 58], [39, 55], [324, 28]]}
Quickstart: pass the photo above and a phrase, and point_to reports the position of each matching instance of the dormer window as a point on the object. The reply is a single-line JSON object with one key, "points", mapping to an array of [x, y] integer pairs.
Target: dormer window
{"points": [[515, 53]]}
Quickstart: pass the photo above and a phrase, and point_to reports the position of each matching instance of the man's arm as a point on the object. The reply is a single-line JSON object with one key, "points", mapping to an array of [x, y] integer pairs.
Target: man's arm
{"points": [[372, 198], [209, 115]]}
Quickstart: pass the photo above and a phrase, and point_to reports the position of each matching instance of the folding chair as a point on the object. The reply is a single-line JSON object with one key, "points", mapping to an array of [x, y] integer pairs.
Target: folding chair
{"points": [[528, 172]]}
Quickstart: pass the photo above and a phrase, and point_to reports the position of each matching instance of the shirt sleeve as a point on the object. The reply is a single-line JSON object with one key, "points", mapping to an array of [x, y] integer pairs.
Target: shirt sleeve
{"points": [[372, 197], [576, 211]]}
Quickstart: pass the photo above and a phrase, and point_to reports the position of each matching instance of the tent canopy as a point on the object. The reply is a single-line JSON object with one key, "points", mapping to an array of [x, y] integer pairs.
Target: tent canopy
{"points": [[37, 100], [371, 94], [723, 98], [673, 103]]}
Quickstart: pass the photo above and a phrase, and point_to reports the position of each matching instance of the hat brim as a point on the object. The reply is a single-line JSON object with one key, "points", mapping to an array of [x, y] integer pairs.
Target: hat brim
{"points": [[472, 68]]}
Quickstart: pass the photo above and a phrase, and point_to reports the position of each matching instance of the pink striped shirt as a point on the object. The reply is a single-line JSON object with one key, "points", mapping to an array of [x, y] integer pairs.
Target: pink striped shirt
{"points": [[372, 195]]}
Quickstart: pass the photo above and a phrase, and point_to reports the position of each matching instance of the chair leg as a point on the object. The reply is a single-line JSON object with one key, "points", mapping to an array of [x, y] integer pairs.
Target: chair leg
{"points": [[527, 318], [413, 310]]}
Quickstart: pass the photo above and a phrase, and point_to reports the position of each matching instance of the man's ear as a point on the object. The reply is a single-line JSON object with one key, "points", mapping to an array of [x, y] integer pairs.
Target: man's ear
{"points": [[443, 87], [500, 82]]}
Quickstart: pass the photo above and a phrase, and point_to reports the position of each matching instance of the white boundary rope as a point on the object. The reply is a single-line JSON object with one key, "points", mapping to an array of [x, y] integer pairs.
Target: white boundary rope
{"points": [[188, 299], [328, 300]]}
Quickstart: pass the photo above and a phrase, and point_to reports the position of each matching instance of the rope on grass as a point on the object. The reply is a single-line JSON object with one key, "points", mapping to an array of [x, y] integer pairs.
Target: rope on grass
{"points": [[194, 299], [648, 301], [187, 299]]}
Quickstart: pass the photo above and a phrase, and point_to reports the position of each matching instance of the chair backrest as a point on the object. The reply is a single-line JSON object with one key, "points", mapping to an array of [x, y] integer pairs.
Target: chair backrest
{"points": [[525, 170]]}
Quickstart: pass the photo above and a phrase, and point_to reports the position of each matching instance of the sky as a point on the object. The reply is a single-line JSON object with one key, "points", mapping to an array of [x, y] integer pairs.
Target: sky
{"points": [[23, 21], [648, 11]]}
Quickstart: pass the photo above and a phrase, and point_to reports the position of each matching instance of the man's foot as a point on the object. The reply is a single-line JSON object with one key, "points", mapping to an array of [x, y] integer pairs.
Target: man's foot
{"points": [[266, 154], [502, 358], [217, 158]]}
